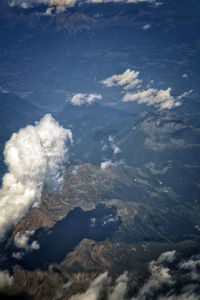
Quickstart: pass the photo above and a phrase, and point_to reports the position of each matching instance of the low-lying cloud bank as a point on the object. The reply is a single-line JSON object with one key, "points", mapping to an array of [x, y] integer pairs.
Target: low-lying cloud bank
{"points": [[100, 284], [62, 5], [35, 157], [161, 284], [120, 288], [94, 290], [5, 279]]}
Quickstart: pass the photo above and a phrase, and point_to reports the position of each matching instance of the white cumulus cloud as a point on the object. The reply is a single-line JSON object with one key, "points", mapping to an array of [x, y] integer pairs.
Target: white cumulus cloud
{"points": [[108, 163], [160, 277], [21, 240], [80, 99], [128, 80], [60, 5], [105, 164], [160, 98], [35, 157], [125, 1]]}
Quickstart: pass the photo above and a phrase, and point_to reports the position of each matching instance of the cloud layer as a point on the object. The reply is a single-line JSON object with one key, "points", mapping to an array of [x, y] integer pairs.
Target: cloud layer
{"points": [[62, 5], [80, 99], [35, 157]]}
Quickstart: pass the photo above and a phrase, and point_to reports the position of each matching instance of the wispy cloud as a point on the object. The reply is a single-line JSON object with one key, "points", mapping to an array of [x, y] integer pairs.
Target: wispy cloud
{"points": [[114, 147], [146, 27], [185, 94], [167, 257], [185, 75], [192, 265]]}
